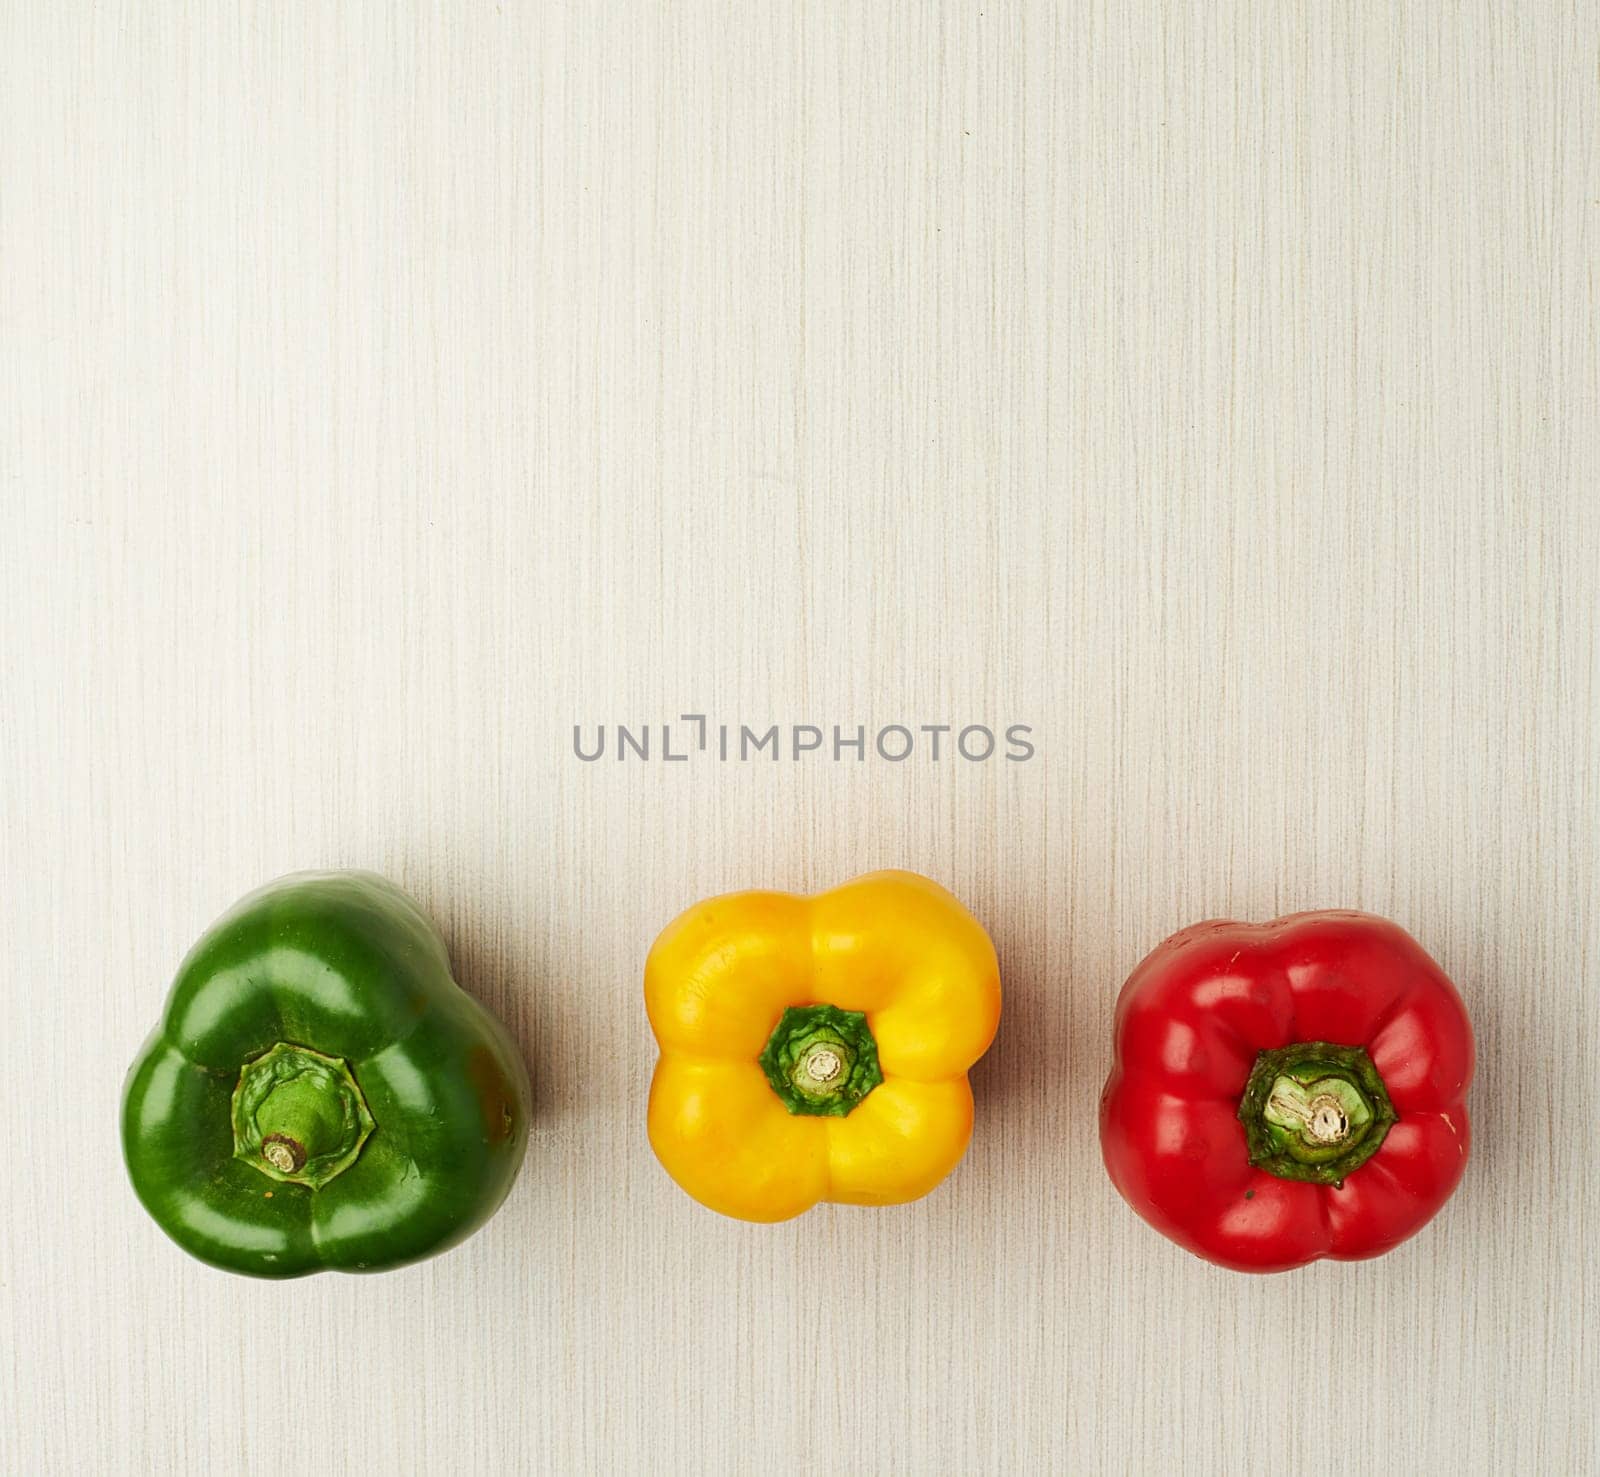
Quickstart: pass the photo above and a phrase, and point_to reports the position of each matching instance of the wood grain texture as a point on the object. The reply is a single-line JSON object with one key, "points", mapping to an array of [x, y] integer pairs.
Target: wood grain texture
{"points": [[385, 388]]}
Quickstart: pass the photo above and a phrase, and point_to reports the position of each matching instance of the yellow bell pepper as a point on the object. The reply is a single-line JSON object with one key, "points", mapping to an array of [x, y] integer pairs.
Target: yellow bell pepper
{"points": [[817, 1048]]}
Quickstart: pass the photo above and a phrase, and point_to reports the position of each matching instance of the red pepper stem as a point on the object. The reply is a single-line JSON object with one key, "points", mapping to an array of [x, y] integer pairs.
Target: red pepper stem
{"points": [[1314, 1111]]}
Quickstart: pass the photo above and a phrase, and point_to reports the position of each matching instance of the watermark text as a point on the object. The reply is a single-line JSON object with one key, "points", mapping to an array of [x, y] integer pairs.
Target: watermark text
{"points": [[694, 736]]}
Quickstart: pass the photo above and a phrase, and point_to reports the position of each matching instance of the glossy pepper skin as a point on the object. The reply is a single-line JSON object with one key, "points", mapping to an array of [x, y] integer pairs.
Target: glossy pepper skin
{"points": [[1326, 1047], [817, 1048], [320, 1094]]}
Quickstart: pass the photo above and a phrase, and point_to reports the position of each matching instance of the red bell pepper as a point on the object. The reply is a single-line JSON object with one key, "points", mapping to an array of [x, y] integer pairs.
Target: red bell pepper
{"points": [[1289, 1090]]}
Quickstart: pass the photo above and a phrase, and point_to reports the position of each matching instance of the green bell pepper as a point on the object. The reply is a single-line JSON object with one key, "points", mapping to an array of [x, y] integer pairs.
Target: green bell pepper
{"points": [[320, 1094]]}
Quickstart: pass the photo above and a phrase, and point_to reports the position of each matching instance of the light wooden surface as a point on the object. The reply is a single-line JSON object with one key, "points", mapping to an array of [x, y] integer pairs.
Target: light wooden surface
{"points": [[386, 388]]}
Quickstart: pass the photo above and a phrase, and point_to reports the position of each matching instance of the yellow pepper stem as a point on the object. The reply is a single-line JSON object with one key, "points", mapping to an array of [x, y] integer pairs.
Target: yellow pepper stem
{"points": [[821, 1060]]}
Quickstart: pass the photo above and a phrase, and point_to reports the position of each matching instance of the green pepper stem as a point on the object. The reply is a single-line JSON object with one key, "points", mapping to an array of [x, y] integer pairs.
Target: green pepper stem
{"points": [[1314, 1111], [283, 1153], [298, 1115]]}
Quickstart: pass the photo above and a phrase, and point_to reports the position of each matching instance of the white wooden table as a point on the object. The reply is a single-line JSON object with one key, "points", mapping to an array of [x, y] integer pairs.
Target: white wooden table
{"points": [[385, 389]]}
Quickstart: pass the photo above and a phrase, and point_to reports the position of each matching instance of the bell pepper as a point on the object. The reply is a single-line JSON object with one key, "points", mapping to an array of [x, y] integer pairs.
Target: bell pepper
{"points": [[1288, 1091], [817, 1048], [320, 1093]]}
